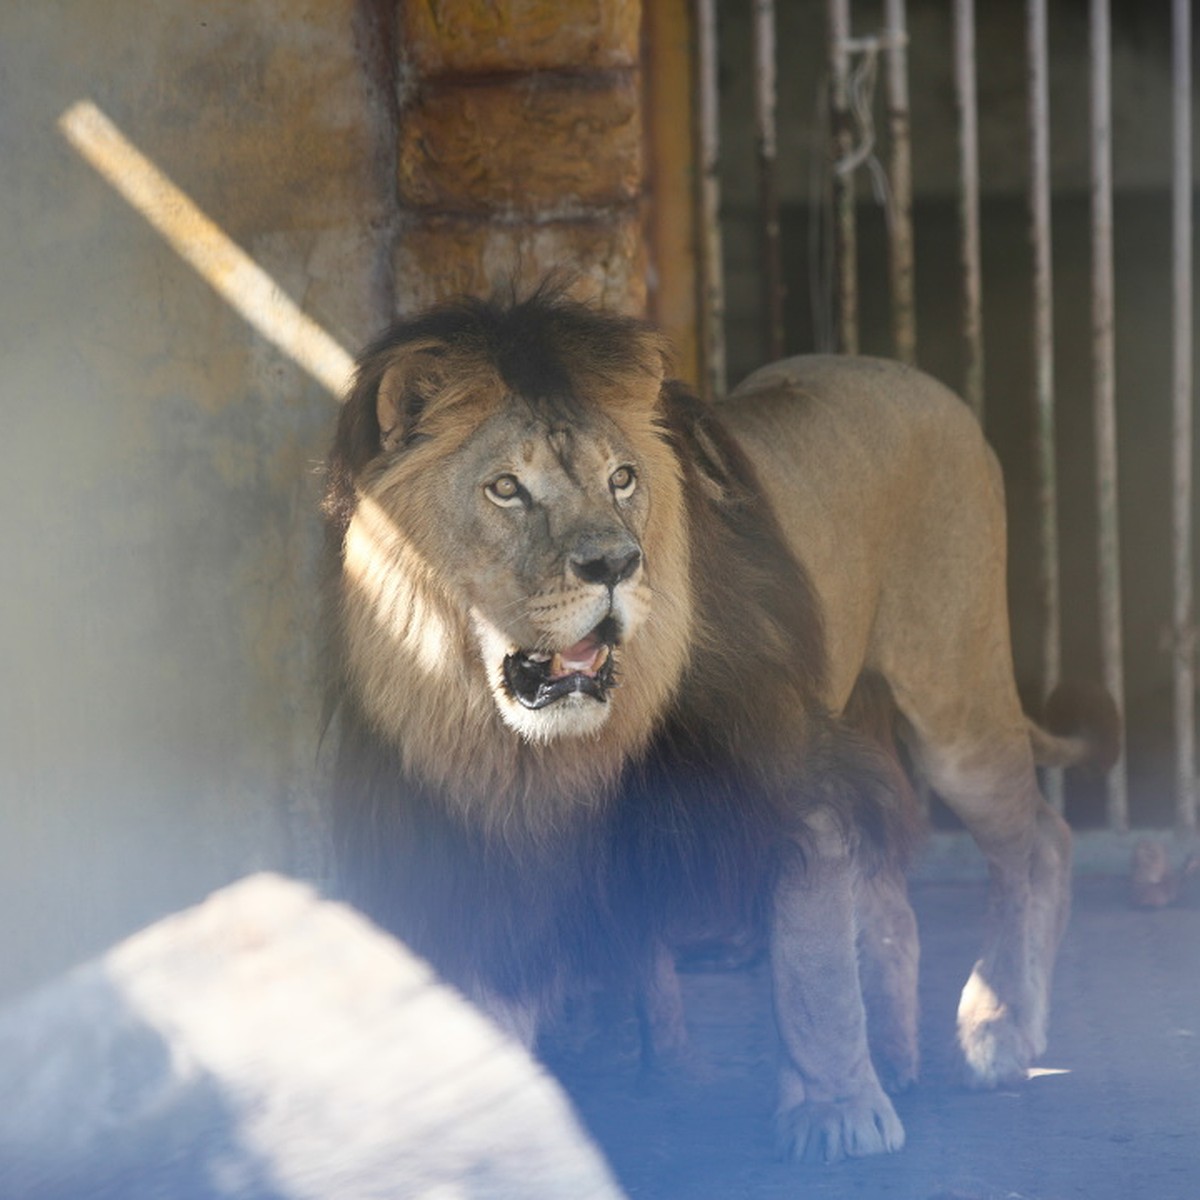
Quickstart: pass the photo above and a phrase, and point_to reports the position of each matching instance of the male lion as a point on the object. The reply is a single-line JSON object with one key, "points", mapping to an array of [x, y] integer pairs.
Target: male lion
{"points": [[589, 659]]}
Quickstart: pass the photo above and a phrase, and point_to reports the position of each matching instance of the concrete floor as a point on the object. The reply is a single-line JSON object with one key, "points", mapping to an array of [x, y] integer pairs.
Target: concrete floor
{"points": [[1116, 1117]]}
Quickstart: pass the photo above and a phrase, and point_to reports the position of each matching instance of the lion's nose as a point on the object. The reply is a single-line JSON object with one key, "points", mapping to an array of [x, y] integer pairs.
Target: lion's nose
{"points": [[609, 568]]}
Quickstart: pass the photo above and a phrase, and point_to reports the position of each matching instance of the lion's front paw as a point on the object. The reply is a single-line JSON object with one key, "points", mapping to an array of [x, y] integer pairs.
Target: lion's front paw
{"points": [[996, 1050], [828, 1131]]}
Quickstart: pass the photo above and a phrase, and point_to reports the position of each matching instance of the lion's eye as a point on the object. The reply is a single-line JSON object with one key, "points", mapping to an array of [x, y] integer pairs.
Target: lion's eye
{"points": [[622, 481], [505, 490]]}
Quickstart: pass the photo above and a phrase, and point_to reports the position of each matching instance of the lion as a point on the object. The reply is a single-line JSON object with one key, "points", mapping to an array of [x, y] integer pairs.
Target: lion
{"points": [[599, 653]]}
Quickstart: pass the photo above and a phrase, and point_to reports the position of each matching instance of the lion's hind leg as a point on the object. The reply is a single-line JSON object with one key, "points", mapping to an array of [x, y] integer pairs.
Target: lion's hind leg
{"points": [[1003, 1014], [941, 640]]}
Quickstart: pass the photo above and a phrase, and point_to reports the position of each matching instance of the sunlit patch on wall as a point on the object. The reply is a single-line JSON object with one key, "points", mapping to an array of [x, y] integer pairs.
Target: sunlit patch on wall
{"points": [[200, 242]]}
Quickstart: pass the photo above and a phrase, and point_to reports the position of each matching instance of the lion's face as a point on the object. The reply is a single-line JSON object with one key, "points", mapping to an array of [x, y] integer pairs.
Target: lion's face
{"points": [[523, 547], [552, 517]]}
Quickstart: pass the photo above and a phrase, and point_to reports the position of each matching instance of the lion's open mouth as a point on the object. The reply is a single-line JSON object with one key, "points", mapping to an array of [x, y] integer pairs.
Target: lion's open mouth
{"points": [[535, 679]]}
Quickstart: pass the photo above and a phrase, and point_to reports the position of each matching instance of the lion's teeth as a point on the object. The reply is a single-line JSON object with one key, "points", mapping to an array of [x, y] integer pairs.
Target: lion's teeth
{"points": [[556, 666], [602, 656]]}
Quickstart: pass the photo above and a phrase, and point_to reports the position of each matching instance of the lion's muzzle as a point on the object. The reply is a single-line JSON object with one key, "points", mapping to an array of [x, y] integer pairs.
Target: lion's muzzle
{"points": [[584, 669]]}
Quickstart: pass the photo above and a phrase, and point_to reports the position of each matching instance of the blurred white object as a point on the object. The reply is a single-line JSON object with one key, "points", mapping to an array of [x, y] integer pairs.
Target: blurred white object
{"points": [[269, 1043]]}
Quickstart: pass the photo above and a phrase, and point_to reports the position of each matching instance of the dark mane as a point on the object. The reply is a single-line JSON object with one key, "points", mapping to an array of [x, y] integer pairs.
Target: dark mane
{"points": [[714, 777]]}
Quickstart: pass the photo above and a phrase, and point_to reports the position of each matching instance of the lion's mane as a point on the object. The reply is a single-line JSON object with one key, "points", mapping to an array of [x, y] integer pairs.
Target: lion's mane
{"points": [[517, 866]]}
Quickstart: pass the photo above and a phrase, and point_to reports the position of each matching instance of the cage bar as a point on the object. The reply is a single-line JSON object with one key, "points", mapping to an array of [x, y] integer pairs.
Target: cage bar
{"points": [[966, 95], [712, 279], [1043, 361], [900, 224], [1181, 222], [845, 242], [768, 177], [1104, 389]]}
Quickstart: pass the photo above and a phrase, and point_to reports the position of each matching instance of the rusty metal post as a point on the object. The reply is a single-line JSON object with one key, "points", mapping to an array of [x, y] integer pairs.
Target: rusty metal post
{"points": [[1183, 616], [968, 154], [900, 225], [1043, 359], [673, 217], [768, 179], [1104, 389], [712, 279], [845, 243]]}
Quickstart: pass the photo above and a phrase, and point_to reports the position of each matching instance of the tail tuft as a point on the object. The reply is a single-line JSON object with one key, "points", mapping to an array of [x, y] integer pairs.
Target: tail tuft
{"points": [[1087, 711]]}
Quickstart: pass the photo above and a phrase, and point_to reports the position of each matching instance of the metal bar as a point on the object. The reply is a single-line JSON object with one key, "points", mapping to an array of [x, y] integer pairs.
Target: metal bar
{"points": [[1043, 359], [968, 153], [900, 228], [712, 280], [845, 245], [1103, 387], [768, 178], [1183, 619]]}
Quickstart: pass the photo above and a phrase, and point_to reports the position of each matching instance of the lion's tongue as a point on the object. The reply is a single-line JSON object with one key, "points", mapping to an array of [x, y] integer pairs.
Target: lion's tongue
{"points": [[586, 657]]}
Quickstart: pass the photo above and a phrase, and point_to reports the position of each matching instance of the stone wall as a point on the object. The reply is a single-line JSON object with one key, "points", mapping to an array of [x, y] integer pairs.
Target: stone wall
{"points": [[520, 149]]}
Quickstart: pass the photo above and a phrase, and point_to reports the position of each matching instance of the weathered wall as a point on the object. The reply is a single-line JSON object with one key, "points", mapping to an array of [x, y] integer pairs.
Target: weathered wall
{"points": [[157, 466], [160, 474]]}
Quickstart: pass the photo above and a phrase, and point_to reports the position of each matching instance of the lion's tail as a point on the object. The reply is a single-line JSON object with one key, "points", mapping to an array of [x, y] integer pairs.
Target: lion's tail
{"points": [[1081, 727]]}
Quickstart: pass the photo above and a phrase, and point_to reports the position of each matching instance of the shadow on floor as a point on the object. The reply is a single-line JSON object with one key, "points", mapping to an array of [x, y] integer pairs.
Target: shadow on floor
{"points": [[1117, 1115]]}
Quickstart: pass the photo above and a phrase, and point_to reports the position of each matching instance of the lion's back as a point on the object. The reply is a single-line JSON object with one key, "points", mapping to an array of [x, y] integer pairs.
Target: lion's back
{"points": [[878, 473], [823, 403]]}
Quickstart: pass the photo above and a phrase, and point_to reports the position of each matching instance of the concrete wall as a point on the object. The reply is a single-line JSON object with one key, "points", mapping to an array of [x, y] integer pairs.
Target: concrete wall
{"points": [[158, 483], [159, 707]]}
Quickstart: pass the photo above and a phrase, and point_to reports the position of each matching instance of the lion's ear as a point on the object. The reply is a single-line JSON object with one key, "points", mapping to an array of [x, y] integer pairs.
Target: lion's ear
{"points": [[412, 377], [389, 408], [704, 443], [713, 469], [656, 354]]}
